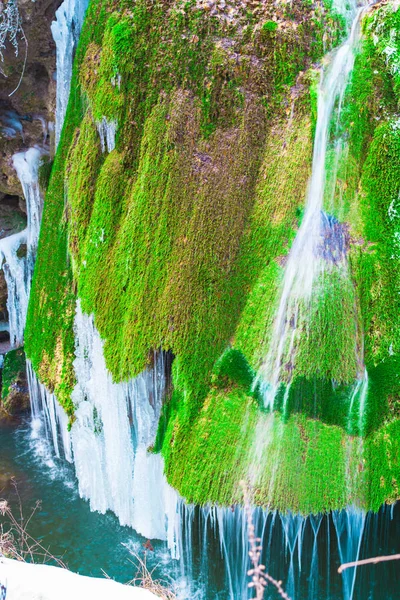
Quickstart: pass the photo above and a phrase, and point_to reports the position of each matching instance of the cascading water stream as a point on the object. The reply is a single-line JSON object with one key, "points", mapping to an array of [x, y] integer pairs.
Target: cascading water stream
{"points": [[26, 165], [358, 403], [17, 262], [49, 420], [304, 261]]}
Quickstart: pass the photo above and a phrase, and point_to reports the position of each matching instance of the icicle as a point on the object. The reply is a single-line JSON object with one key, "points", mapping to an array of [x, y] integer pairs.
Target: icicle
{"points": [[349, 526], [107, 132], [117, 472], [48, 418], [66, 30], [17, 278]]}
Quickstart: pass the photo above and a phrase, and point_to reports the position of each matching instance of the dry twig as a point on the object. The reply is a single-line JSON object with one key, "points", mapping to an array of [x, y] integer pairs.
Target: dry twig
{"points": [[260, 578], [368, 561], [144, 578], [15, 541]]}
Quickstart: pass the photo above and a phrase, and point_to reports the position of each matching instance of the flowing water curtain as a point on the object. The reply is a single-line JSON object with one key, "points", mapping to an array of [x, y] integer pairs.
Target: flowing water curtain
{"points": [[302, 552]]}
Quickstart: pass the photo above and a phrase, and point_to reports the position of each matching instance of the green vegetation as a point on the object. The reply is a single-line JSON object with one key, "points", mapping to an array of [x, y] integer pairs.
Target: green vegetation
{"points": [[328, 346], [270, 26], [178, 238], [45, 168], [14, 364]]}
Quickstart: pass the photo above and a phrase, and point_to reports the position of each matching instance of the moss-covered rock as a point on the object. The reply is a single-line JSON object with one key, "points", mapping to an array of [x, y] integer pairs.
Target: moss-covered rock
{"points": [[178, 238], [14, 385]]}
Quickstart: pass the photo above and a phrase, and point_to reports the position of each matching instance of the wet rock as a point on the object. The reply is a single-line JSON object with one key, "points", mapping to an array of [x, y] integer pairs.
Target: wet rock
{"points": [[3, 297], [335, 239], [12, 218]]}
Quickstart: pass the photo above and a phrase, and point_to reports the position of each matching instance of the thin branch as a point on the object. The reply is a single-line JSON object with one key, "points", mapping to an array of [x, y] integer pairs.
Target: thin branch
{"points": [[259, 577], [25, 59], [368, 561], [15, 541], [144, 578]]}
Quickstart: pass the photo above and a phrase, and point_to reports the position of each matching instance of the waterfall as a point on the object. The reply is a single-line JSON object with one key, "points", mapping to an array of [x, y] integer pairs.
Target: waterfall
{"points": [[291, 544], [17, 278], [305, 260], [109, 444], [18, 262], [66, 30]]}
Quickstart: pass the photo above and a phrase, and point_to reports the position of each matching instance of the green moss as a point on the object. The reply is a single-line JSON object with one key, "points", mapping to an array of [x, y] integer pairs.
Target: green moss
{"points": [[383, 465], [191, 471], [233, 367], [328, 347], [14, 364], [270, 26], [83, 164], [45, 168]]}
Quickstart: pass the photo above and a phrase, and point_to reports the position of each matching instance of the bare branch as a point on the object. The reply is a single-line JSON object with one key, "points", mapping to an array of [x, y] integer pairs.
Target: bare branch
{"points": [[25, 59], [259, 577], [10, 31], [16, 542], [144, 578], [10, 24], [368, 561]]}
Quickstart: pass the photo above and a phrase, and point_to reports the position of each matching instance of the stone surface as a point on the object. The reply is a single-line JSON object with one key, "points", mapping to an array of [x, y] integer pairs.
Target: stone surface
{"points": [[26, 113], [3, 297], [27, 107]]}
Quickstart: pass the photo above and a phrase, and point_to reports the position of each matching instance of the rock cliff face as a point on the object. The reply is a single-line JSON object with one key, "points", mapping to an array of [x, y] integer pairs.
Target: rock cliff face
{"points": [[25, 115], [27, 107]]}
